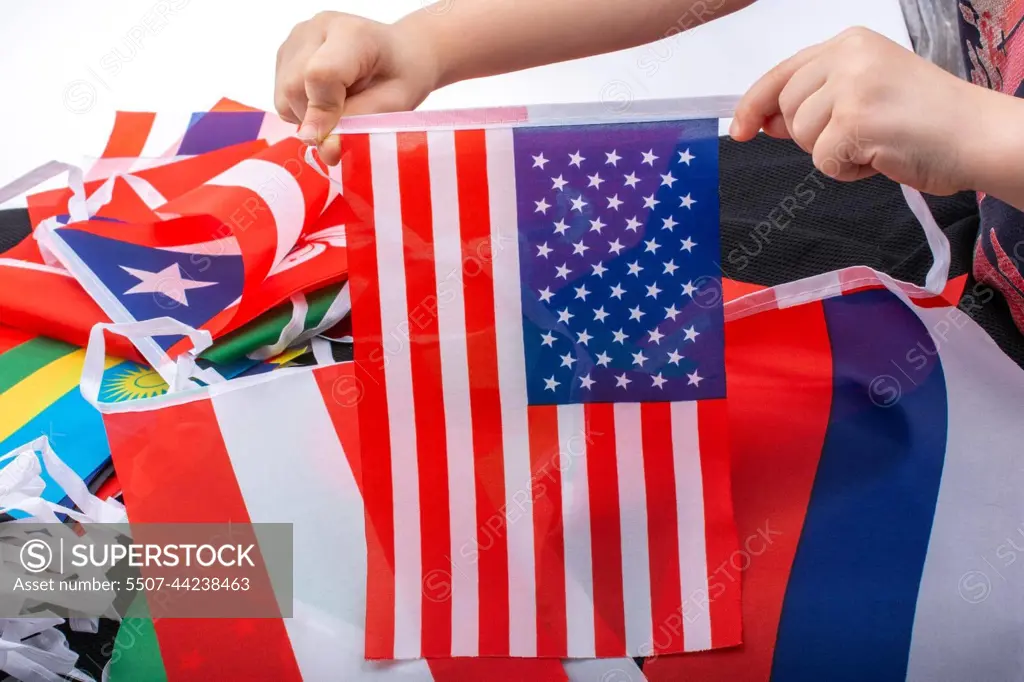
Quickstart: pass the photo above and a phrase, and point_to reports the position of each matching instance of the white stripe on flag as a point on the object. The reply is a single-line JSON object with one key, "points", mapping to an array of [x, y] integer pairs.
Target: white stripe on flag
{"points": [[291, 469], [693, 564], [579, 575], [387, 202], [280, 191], [167, 132], [451, 322], [515, 428], [636, 567], [970, 603]]}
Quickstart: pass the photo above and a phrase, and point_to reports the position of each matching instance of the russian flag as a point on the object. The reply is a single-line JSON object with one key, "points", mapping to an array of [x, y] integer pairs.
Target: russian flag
{"points": [[877, 475]]}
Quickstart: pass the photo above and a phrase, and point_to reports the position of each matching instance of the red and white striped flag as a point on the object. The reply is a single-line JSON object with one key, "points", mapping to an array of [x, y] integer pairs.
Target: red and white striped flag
{"points": [[510, 517]]}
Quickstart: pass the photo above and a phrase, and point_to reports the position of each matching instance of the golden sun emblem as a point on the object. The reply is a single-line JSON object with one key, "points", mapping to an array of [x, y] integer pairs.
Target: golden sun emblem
{"points": [[132, 382]]}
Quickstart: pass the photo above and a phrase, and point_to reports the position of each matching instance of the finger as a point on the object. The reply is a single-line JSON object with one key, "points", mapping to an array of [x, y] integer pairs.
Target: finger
{"points": [[776, 127], [290, 86], [379, 99], [330, 72], [810, 119], [838, 155], [761, 102], [804, 82]]}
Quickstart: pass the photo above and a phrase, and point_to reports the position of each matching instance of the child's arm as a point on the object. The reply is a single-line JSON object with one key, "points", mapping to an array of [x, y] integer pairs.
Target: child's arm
{"points": [[475, 38], [337, 64]]}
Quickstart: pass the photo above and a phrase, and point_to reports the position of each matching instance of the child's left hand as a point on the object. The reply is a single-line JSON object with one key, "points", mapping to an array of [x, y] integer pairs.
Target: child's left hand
{"points": [[861, 104]]}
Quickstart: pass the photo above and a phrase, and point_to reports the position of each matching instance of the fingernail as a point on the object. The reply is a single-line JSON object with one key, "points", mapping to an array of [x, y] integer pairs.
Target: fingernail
{"points": [[734, 128], [307, 133]]}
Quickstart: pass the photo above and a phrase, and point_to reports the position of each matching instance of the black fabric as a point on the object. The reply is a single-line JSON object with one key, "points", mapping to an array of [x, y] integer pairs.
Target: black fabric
{"points": [[14, 226], [783, 220]]}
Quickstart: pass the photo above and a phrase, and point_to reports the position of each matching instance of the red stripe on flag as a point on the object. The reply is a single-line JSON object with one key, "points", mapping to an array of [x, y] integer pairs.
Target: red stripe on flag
{"points": [[548, 542], [128, 138], [11, 337], [373, 413], [174, 468], [723, 598], [605, 533], [782, 352], [662, 527], [428, 398], [497, 669], [485, 399]]}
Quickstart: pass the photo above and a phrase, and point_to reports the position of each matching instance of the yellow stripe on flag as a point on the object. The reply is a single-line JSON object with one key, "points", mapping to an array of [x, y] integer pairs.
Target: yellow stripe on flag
{"points": [[28, 398]]}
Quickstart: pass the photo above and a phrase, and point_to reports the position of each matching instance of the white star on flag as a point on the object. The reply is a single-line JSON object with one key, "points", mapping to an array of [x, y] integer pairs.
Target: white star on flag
{"points": [[686, 157], [168, 282], [649, 158], [688, 201], [688, 244], [576, 159], [586, 382], [560, 182], [539, 161], [542, 206], [613, 158]]}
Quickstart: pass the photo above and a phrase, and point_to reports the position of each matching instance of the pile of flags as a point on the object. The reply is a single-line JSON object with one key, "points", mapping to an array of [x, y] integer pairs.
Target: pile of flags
{"points": [[562, 442]]}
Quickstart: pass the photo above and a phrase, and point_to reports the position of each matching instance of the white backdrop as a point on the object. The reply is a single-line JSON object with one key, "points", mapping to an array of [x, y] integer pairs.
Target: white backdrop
{"points": [[68, 65]]}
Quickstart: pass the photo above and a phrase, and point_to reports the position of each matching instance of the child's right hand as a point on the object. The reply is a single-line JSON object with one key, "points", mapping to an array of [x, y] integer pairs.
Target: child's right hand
{"points": [[338, 64]]}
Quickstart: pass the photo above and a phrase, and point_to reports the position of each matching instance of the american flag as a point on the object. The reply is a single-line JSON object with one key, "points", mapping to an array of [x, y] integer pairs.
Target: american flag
{"points": [[545, 465]]}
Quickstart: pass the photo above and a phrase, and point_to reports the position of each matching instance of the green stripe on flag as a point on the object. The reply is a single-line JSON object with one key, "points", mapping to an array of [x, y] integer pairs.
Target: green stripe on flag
{"points": [[136, 654], [265, 330], [29, 357]]}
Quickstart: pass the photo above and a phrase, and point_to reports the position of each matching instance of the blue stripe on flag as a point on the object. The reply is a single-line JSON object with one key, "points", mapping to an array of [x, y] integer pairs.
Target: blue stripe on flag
{"points": [[849, 607], [213, 130], [76, 432]]}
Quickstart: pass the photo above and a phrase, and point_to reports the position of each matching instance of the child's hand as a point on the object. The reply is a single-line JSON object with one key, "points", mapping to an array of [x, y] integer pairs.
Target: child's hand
{"points": [[337, 64], [861, 104]]}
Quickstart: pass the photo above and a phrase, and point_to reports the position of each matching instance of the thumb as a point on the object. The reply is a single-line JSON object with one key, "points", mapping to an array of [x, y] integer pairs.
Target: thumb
{"points": [[330, 71]]}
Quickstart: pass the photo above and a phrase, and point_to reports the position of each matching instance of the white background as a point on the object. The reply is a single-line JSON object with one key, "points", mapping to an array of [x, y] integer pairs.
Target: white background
{"points": [[68, 65]]}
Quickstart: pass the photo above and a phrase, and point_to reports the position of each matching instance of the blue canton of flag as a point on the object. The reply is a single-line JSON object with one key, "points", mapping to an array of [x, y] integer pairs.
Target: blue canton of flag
{"points": [[152, 282], [618, 252]]}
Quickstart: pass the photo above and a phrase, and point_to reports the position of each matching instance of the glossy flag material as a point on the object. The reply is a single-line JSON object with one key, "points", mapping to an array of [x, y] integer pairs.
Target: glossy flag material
{"points": [[525, 305], [191, 167], [876, 505], [233, 470]]}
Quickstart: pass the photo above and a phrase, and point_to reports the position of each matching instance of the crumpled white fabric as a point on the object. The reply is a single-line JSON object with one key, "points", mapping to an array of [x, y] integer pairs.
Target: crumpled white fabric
{"points": [[32, 649]]}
